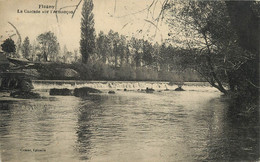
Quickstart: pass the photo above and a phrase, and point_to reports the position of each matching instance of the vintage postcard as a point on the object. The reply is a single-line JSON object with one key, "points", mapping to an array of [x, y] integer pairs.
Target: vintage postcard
{"points": [[129, 80]]}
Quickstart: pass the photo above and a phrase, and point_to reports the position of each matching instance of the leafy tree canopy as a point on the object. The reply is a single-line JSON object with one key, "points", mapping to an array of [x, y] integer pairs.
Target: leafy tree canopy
{"points": [[8, 46], [26, 47], [49, 45]]}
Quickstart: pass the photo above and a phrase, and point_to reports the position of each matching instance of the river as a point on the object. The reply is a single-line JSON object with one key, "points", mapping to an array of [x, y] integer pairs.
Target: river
{"points": [[192, 125]]}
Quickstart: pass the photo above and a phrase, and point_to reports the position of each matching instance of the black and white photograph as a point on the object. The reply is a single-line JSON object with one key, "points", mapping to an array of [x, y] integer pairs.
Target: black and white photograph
{"points": [[129, 80]]}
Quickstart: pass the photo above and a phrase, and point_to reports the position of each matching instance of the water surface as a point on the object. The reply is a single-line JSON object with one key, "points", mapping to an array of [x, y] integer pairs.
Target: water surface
{"points": [[127, 126]]}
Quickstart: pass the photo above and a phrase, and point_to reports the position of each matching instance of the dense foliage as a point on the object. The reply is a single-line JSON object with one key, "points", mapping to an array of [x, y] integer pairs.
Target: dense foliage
{"points": [[26, 48], [214, 45], [49, 46], [120, 51], [101, 71], [87, 42], [8, 46]]}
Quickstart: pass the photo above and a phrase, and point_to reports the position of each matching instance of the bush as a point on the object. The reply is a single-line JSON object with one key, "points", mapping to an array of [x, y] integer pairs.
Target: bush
{"points": [[125, 72], [84, 70]]}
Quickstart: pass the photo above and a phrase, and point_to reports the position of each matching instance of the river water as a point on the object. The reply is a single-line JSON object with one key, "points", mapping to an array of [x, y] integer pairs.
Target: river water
{"points": [[192, 125]]}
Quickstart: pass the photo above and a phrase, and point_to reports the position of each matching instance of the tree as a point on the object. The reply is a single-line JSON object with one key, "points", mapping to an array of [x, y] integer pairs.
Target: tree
{"points": [[87, 42], [147, 50], [206, 27], [223, 41], [116, 48], [26, 48], [110, 47], [67, 55], [156, 56], [9, 46], [136, 45], [113, 47], [122, 49], [102, 46], [128, 54], [162, 57], [244, 17], [76, 57], [49, 46], [33, 51]]}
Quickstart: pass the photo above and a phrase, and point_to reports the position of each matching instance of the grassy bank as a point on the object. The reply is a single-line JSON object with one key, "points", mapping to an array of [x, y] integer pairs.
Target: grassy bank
{"points": [[101, 71]]}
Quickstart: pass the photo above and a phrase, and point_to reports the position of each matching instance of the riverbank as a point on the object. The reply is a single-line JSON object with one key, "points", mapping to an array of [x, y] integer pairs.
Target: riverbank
{"points": [[101, 71]]}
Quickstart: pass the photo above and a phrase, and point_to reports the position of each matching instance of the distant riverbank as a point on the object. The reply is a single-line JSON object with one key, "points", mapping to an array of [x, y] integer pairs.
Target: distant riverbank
{"points": [[101, 71]]}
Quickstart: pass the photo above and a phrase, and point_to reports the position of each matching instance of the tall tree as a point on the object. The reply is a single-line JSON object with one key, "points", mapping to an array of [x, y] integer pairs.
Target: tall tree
{"points": [[49, 46], [206, 28], [156, 56], [162, 56], [225, 37], [110, 49], [128, 54], [87, 42], [26, 48], [9, 46], [102, 46], [148, 49], [122, 49], [138, 51], [116, 49]]}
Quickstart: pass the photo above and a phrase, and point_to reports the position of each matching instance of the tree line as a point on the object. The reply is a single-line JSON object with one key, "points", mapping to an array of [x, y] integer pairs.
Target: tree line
{"points": [[46, 48], [116, 50], [113, 49]]}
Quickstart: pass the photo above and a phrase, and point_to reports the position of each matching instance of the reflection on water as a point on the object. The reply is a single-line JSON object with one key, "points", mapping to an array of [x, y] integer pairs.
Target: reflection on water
{"points": [[126, 126]]}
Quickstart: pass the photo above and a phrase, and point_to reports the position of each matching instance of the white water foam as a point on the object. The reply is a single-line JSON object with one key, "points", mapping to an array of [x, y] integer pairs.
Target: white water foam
{"points": [[120, 85]]}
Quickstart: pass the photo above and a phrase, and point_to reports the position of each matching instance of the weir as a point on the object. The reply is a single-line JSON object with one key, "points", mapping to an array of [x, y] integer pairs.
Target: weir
{"points": [[116, 85]]}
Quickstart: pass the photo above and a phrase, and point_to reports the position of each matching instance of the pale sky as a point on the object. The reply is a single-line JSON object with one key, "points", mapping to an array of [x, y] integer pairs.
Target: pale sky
{"points": [[109, 14]]}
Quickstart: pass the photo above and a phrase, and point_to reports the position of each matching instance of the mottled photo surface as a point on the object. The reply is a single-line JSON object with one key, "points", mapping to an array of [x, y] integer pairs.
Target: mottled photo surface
{"points": [[129, 80]]}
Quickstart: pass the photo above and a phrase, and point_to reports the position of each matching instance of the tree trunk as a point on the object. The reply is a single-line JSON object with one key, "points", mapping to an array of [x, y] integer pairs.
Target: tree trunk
{"points": [[214, 77]]}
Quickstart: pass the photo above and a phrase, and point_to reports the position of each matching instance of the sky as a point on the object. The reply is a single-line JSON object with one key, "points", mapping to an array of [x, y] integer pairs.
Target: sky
{"points": [[122, 16]]}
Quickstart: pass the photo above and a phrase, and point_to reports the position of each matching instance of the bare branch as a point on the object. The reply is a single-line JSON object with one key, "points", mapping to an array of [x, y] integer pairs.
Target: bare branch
{"points": [[56, 3], [252, 84], [76, 8], [152, 23], [115, 7], [19, 36], [134, 13], [125, 25], [67, 7]]}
